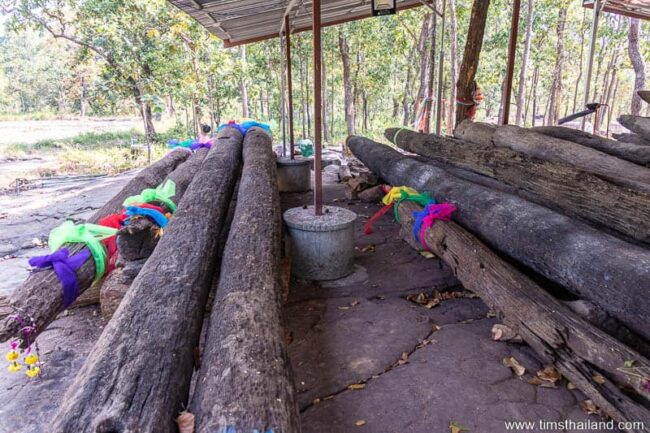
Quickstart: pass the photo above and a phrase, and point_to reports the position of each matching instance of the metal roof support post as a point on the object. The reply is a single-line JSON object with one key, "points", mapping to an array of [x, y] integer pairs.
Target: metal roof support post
{"points": [[598, 5], [318, 95], [440, 72], [287, 33], [510, 70]]}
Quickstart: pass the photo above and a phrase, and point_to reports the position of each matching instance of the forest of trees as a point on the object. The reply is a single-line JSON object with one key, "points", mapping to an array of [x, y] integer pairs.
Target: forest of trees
{"points": [[121, 57]]}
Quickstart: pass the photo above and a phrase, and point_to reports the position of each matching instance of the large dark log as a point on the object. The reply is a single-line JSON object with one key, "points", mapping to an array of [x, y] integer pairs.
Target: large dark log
{"points": [[556, 185], [244, 381], [137, 377], [139, 238], [580, 351], [475, 132], [611, 273], [553, 149], [638, 124], [40, 296], [630, 152], [631, 138]]}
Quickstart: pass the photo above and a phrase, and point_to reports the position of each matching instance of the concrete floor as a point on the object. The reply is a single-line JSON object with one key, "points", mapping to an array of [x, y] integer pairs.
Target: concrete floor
{"points": [[366, 359]]}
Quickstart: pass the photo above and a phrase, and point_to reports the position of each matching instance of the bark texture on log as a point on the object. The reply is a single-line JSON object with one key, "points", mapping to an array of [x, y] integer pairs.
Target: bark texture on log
{"points": [[631, 138], [475, 132], [139, 238], [630, 152], [609, 272], [245, 380], [552, 184], [553, 149], [579, 350], [137, 377], [637, 124], [40, 296]]}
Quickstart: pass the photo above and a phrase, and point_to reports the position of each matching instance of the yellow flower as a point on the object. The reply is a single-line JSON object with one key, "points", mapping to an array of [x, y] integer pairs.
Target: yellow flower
{"points": [[33, 372], [12, 356], [31, 359], [14, 367]]}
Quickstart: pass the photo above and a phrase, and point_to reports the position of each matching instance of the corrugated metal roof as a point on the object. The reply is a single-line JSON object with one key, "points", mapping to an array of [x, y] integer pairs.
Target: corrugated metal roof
{"points": [[244, 21], [630, 8]]}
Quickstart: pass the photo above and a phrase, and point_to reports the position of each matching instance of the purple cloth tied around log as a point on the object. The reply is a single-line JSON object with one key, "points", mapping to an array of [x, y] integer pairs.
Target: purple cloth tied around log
{"points": [[64, 267], [198, 145]]}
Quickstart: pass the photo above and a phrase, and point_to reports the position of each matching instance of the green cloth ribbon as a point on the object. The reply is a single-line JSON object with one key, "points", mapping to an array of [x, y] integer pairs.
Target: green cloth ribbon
{"points": [[423, 199], [89, 234], [397, 133], [161, 194]]}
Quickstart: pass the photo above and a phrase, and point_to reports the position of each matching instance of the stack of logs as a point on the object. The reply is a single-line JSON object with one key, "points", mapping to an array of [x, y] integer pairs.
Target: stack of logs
{"points": [[552, 231], [137, 377]]}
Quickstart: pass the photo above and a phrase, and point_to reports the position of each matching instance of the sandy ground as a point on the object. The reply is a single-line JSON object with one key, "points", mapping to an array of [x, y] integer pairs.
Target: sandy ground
{"points": [[32, 131]]}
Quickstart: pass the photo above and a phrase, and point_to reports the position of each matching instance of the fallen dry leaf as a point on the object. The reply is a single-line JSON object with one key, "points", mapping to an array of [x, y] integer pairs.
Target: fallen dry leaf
{"points": [[427, 254], [356, 386], [504, 333], [425, 300], [344, 308], [368, 249], [456, 428], [599, 379], [570, 385], [549, 374], [590, 408], [514, 365], [354, 303], [185, 422], [360, 422]]}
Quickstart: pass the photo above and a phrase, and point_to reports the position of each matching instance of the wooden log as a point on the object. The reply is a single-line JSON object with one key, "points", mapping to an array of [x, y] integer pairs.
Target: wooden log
{"points": [[627, 151], [644, 94], [601, 268], [637, 124], [475, 132], [552, 184], [580, 351], [137, 377], [40, 296], [631, 138], [244, 382], [137, 240], [593, 161]]}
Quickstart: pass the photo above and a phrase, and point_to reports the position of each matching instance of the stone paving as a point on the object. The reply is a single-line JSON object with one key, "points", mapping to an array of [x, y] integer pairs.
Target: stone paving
{"points": [[365, 359]]}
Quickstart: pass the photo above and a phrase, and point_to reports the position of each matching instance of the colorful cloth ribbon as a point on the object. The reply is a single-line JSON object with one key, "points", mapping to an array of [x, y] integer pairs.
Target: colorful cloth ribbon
{"points": [[245, 126], [88, 234], [425, 219], [156, 215], [233, 124], [392, 199], [162, 194], [65, 267], [198, 145]]}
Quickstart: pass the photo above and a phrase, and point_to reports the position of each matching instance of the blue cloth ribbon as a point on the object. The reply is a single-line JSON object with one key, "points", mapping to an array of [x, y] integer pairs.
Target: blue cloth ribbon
{"points": [[419, 220], [157, 217], [198, 145], [65, 268]]}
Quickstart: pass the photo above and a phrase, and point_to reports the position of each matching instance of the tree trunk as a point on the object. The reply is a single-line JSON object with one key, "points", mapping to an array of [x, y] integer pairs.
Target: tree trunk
{"points": [[137, 377], [40, 296], [521, 92], [552, 149], [82, 97], [138, 239], [580, 351], [326, 131], [308, 97], [347, 84], [555, 185], [637, 124], [145, 111], [556, 246], [244, 381], [425, 59], [466, 86], [453, 58], [556, 86], [242, 85], [630, 152], [583, 32], [535, 80], [407, 88], [636, 57], [303, 114], [428, 103]]}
